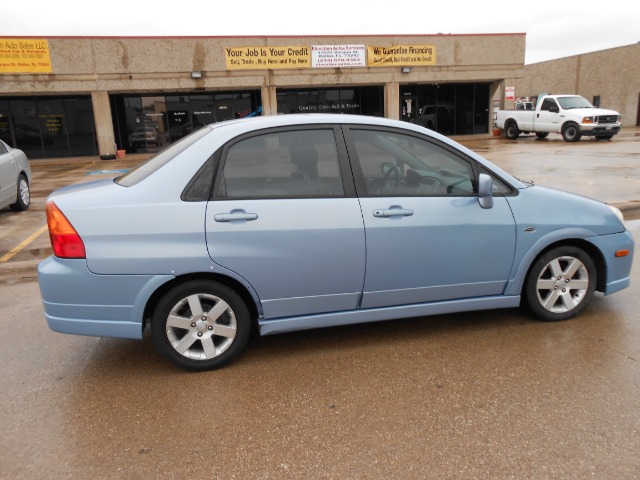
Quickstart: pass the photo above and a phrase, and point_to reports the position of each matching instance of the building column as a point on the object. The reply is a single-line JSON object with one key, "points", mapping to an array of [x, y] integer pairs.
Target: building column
{"points": [[269, 100], [104, 123], [392, 100]]}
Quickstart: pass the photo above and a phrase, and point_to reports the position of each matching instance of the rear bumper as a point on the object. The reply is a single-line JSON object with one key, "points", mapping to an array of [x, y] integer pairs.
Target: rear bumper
{"points": [[79, 302]]}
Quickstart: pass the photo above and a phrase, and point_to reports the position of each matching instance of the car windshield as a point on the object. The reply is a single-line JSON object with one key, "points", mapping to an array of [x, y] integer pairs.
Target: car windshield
{"points": [[162, 158], [567, 103]]}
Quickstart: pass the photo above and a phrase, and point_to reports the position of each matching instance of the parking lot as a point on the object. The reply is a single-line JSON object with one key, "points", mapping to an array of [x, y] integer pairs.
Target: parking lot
{"points": [[492, 394]]}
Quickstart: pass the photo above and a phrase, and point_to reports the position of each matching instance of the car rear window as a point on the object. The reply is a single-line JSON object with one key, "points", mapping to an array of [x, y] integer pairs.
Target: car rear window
{"points": [[162, 158]]}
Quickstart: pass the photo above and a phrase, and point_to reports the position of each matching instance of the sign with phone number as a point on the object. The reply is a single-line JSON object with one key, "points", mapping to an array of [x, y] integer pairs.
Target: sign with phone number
{"points": [[24, 55]]}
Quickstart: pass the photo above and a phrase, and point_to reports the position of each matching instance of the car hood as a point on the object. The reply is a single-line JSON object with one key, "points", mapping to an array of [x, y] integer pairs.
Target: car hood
{"points": [[547, 209]]}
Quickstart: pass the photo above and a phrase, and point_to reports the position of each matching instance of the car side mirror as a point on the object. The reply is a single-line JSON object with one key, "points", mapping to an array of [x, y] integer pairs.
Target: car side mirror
{"points": [[485, 191], [554, 109]]}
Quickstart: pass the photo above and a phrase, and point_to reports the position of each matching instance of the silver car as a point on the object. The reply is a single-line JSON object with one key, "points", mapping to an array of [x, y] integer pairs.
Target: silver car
{"points": [[15, 178]]}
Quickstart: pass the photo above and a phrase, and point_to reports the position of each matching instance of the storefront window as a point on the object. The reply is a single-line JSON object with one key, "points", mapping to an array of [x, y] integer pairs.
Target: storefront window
{"points": [[358, 101], [148, 123], [450, 109], [49, 126]]}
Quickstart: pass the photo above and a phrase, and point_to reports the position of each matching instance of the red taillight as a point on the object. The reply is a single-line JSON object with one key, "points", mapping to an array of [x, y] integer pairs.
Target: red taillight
{"points": [[65, 240]]}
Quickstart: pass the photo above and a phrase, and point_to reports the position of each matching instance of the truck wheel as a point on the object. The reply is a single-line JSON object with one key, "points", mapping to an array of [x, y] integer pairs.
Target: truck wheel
{"points": [[512, 131], [571, 132], [542, 135]]}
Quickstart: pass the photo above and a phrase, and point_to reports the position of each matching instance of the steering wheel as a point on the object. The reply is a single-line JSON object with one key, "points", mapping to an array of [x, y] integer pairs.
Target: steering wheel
{"points": [[392, 176]]}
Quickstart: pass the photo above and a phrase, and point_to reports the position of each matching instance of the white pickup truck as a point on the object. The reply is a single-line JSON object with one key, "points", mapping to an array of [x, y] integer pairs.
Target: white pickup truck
{"points": [[570, 115]]}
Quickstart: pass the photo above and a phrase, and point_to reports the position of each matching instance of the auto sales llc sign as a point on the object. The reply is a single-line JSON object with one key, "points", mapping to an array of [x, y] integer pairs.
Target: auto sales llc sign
{"points": [[24, 55]]}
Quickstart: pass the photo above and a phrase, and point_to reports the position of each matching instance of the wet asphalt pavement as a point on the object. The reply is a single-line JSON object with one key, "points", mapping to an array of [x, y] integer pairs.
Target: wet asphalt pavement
{"points": [[493, 394]]}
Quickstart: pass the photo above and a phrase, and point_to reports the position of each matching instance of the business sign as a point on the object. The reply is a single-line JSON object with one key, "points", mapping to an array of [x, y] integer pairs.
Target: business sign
{"points": [[337, 56], [402, 55], [509, 93], [251, 58], [24, 56]]}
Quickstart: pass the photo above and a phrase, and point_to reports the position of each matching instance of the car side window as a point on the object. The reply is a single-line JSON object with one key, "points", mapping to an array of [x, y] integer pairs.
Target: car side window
{"points": [[301, 163], [3, 149], [395, 164], [547, 103]]}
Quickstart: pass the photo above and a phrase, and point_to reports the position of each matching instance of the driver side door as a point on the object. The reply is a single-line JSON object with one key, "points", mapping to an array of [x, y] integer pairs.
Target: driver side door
{"points": [[427, 237]]}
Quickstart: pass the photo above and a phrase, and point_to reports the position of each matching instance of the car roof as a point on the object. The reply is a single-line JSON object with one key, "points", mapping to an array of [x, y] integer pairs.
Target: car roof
{"points": [[270, 121]]}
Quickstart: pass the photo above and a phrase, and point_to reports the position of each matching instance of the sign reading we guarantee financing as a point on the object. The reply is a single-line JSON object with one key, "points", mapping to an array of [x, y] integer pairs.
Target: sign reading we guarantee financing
{"points": [[328, 56]]}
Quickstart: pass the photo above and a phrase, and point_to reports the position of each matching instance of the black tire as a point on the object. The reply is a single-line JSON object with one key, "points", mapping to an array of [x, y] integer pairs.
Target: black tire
{"points": [[604, 137], [560, 284], [23, 195], [204, 339], [511, 131], [542, 135], [571, 132]]}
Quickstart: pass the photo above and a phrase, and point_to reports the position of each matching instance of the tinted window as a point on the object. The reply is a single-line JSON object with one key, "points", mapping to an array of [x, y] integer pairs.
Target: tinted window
{"points": [[394, 164], [547, 103], [301, 163]]}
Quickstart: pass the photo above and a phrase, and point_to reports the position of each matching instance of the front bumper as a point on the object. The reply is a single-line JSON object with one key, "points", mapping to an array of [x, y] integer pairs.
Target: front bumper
{"points": [[593, 129], [618, 269]]}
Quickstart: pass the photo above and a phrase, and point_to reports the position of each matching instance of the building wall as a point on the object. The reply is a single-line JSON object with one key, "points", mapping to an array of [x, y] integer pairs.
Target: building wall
{"points": [[103, 66], [613, 74], [141, 64]]}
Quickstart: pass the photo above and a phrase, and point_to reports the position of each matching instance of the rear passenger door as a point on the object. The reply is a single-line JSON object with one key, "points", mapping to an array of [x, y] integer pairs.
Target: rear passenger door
{"points": [[284, 216]]}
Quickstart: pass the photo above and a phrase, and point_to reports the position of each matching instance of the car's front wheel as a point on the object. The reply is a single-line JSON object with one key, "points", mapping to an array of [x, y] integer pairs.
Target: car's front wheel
{"points": [[23, 195], [560, 283], [200, 325]]}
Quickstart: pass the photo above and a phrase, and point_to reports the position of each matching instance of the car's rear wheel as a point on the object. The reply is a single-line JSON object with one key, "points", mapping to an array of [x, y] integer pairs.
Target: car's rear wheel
{"points": [[23, 195], [542, 135], [561, 283], [200, 325], [571, 132], [511, 131]]}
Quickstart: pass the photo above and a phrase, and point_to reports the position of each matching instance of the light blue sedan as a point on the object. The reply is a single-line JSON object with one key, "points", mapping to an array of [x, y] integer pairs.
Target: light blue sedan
{"points": [[294, 222]]}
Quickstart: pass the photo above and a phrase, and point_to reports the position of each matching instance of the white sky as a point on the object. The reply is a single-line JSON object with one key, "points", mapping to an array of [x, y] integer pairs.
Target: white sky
{"points": [[554, 29]]}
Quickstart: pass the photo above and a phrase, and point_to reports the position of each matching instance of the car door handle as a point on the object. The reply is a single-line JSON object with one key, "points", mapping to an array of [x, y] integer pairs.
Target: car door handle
{"points": [[392, 212], [235, 216]]}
